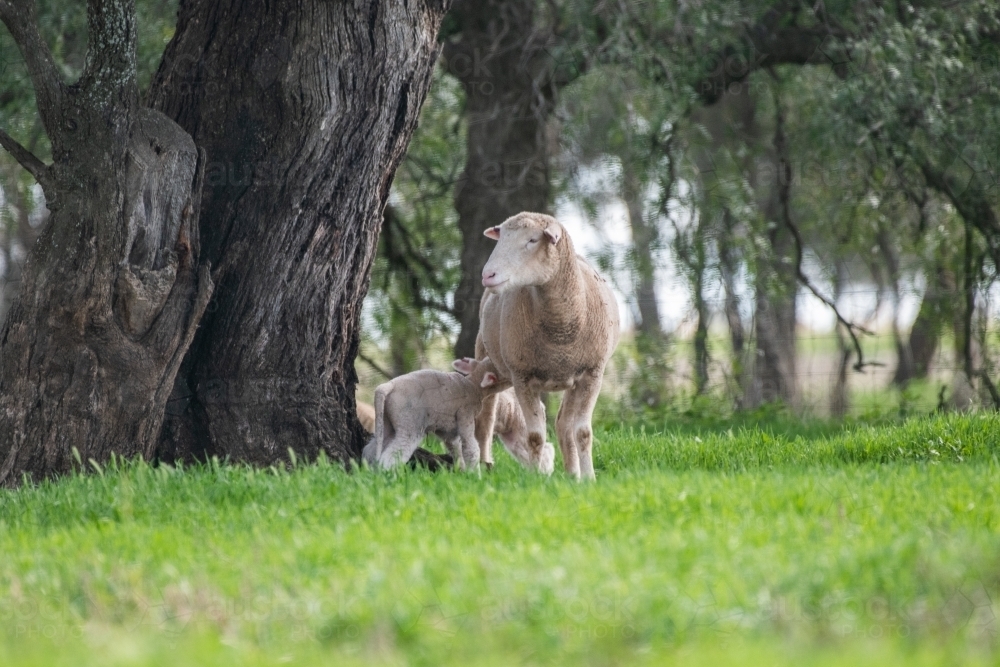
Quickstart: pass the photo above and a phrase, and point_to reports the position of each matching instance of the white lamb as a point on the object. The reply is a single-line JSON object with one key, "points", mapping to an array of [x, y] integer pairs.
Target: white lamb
{"points": [[446, 404], [512, 430]]}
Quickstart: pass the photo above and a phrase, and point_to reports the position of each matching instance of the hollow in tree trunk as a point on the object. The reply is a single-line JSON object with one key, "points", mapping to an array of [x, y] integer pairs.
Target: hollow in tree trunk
{"points": [[112, 291]]}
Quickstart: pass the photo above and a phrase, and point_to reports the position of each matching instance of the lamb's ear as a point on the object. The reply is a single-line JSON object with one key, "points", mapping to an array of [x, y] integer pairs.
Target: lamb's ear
{"points": [[463, 366], [489, 380], [493, 233], [554, 233]]}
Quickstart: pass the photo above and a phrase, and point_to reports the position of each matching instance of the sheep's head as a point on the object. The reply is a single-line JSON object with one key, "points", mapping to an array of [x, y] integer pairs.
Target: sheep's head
{"points": [[481, 371], [527, 252]]}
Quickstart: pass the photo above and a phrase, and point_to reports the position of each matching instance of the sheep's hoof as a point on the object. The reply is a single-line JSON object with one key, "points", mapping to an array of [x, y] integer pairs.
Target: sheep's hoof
{"points": [[489, 465]]}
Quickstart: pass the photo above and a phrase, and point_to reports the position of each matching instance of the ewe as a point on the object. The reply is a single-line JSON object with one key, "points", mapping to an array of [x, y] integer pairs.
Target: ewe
{"points": [[445, 404], [548, 322]]}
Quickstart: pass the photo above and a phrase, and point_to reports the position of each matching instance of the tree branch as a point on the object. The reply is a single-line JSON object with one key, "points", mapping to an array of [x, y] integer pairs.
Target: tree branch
{"points": [[49, 87], [402, 261], [371, 362], [110, 69], [784, 189], [990, 387], [969, 199], [27, 159], [765, 45]]}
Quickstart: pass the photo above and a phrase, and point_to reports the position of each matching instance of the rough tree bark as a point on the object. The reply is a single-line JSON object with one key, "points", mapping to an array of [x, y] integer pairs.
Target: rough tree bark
{"points": [[304, 123], [501, 61], [112, 291]]}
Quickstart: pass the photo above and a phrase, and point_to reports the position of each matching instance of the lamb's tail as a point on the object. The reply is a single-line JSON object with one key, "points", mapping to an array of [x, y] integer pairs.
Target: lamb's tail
{"points": [[380, 394]]}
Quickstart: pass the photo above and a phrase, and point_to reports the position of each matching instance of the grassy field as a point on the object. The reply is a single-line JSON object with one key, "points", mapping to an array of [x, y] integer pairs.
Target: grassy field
{"points": [[774, 543]]}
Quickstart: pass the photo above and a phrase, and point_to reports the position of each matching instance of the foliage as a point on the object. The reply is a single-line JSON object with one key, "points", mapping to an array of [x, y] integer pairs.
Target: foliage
{"points": [[417, 269]]}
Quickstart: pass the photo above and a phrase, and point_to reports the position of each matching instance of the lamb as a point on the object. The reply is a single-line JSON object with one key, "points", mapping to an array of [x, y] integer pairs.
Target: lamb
{"points": [[510, 427], [512, 430], [548, 322], [427, 401]]}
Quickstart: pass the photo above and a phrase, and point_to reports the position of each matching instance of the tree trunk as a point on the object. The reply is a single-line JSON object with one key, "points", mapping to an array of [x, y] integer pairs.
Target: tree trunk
{"points": [[776, 279], [936, 308], [112, 291], [701, 356], [729, 266], [644, 238], [501, 63], [904, 355], [304, 124], [774, 367], [840, 400]]}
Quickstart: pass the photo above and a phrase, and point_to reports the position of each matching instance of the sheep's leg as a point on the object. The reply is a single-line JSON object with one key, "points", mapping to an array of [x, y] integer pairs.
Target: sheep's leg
{"points": [[567, 441], [485, 421], [533, 410], [574, 425]]}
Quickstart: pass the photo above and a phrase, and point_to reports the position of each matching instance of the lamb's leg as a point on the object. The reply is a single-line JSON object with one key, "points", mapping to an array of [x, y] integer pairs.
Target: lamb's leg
{"points": [[485, 421], [399, 449], [468, 447], [457, 451], [574, 424], [533, 410], [370, 453]]}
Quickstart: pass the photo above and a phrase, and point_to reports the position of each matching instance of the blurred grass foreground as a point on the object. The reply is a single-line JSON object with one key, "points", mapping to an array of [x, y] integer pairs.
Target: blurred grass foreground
{"points": [[778, 542]]}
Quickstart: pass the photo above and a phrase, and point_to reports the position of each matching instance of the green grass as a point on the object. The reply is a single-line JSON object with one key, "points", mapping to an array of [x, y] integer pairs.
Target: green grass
{"points": [[749, 543]]}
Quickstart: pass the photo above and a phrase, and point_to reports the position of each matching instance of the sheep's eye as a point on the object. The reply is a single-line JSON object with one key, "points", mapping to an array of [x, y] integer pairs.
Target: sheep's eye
{"points": [[530, 241]]}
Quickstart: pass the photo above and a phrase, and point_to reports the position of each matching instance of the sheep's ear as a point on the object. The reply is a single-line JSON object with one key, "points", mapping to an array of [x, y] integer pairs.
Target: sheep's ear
{"points": [[493, 233], [489, 380], [553, 233]]}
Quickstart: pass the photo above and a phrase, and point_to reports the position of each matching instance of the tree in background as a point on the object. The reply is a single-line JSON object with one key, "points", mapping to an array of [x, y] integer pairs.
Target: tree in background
{"points": [[760, 98], [617, 135]]}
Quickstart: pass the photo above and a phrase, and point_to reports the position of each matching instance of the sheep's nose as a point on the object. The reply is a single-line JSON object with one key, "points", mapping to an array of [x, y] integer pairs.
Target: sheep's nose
{"points": [[489, 275]]}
